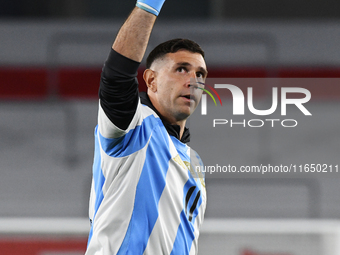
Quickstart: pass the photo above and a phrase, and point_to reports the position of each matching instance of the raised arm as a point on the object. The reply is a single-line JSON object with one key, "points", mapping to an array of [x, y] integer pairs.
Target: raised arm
{"points": [[133, 37], [118, 90]]}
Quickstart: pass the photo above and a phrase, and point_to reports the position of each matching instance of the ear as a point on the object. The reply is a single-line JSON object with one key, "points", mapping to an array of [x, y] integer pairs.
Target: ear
{"points": [[149, 77]]}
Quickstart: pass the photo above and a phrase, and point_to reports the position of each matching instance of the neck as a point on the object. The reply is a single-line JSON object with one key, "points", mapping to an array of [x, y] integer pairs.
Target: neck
{"points": [[168, 118], [172, 121], [181, 125], [178, 130]]}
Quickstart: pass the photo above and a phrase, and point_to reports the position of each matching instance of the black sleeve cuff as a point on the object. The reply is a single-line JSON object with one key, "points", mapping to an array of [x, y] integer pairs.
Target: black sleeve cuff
{"points": [[119, 64]]}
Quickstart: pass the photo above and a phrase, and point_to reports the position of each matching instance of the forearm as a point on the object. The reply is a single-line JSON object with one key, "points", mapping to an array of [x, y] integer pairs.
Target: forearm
{"points": [[133, 37]]}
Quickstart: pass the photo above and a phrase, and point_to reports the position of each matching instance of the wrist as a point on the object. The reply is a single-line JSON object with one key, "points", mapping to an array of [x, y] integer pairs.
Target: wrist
{"points": [[151, 6]]}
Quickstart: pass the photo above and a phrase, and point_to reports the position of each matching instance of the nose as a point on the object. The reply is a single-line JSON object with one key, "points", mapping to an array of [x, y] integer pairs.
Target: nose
{"points": [[192, 79], [193, 75]]}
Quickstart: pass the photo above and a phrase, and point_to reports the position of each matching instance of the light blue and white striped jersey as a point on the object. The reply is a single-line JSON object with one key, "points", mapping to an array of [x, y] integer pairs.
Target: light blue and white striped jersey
{"points": [[146, 197]]}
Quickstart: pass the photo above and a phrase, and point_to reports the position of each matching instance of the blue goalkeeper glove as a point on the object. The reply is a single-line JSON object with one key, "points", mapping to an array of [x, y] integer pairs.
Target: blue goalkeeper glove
{"points": [[152, 6]]}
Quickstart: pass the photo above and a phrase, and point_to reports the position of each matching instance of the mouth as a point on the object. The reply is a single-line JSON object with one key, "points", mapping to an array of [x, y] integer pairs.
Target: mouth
{"points": [[189, 97]]}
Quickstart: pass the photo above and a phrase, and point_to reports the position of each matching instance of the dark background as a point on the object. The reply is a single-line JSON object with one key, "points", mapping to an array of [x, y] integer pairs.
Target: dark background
{"points": [[200, 9]]}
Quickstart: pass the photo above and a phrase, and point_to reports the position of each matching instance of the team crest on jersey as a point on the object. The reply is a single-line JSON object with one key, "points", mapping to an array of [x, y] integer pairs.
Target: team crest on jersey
{"points": [[197, 175], [187, 166], [179, 161]]}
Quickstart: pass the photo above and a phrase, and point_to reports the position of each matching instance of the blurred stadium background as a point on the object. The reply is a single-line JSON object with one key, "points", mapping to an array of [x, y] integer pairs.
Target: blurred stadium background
{"points": [[50, 61]]}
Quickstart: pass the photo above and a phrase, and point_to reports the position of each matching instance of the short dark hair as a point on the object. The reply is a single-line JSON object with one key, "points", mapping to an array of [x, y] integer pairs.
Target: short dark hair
{"points": [[173, 46]]}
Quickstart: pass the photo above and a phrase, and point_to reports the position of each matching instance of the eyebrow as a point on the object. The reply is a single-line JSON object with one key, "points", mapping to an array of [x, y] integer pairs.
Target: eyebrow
{"points": [[203, 70]]}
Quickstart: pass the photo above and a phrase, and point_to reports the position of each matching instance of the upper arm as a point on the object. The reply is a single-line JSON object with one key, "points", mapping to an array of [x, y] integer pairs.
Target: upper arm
{"points": [[118, 90]]}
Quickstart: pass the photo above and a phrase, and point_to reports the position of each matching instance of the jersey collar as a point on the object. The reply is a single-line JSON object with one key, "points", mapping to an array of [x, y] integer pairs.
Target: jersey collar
{"points": [[173, 130]]}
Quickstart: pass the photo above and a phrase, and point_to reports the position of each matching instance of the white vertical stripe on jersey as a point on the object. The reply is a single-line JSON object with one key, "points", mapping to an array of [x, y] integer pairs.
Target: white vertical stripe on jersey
{"points": [[113, 216], [176, 177]]}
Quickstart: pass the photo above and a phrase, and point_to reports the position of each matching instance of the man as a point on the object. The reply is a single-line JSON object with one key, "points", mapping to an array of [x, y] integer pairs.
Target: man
{"points": [[146, 197]]}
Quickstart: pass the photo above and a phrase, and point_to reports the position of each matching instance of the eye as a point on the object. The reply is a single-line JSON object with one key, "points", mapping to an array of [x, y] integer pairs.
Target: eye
{"points": [[200, 75], [182, 69]]}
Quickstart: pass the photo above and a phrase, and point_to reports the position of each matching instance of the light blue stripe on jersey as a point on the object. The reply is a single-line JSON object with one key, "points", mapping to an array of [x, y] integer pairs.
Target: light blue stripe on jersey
{"points": [[148, 192], [182, 151], [98, 179], [185, 233], [184, 237], [131, 142]]}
